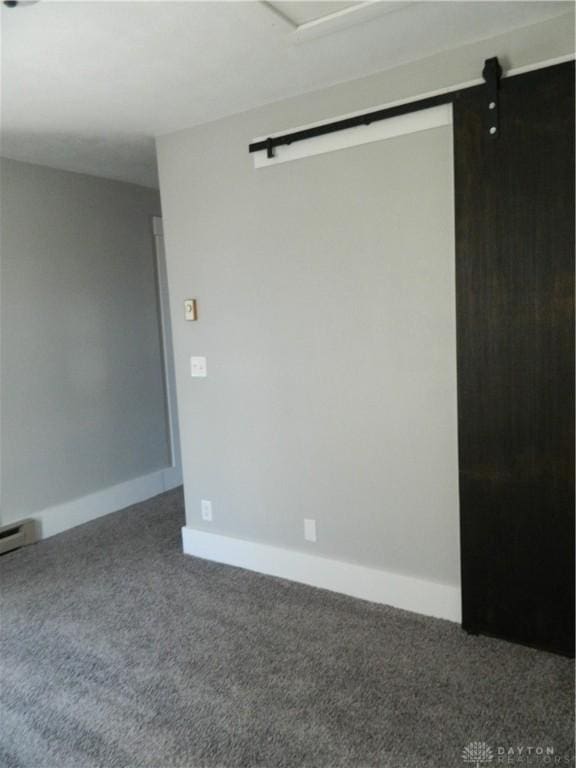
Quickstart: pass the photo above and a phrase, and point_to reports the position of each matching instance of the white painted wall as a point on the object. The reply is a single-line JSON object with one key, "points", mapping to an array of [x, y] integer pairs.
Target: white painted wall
{"points": [[327, 317], [326, 295], [83, 393]]}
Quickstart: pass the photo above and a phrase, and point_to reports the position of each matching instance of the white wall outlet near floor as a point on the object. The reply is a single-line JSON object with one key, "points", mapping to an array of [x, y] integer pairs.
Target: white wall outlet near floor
{"points": [[198, 368], [309, 529], [206, 507]]}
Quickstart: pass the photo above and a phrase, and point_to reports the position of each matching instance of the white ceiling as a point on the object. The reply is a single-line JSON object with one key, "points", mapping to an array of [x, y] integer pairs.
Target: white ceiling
{"points": [[304, 12], [88, 84]]}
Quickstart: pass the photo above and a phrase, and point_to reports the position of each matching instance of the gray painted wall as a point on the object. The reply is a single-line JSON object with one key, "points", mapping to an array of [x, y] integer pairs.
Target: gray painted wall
{"points": [[326, 299], [83, 402]]}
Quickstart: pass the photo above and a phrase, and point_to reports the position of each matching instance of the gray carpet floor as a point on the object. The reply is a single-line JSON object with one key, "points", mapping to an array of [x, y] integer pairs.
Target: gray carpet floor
{"points": [[118, 650]]}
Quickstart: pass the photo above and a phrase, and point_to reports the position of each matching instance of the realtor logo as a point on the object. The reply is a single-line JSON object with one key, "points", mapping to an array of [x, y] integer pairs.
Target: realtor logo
{"points": [[477, 753]]}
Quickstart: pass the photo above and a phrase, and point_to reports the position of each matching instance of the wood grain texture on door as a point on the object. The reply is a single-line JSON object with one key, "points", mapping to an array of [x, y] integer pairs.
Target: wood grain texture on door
{"points": [[514, 198]]}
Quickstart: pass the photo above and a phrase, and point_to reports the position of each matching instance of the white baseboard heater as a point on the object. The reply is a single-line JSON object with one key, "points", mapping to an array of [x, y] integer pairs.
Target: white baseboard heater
{"points": [[17, 535]]}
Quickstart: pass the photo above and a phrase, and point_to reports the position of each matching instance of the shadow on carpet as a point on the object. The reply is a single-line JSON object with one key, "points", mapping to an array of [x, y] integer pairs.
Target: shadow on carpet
{"points": [[119, 651]]}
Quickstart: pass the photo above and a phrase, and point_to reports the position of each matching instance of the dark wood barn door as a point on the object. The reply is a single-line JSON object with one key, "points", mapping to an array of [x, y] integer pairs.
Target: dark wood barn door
{"points": [[515, 317]]}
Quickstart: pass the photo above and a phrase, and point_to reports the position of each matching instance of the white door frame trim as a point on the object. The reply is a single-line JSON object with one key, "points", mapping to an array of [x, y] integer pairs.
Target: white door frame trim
{"points": [[164, 318]]}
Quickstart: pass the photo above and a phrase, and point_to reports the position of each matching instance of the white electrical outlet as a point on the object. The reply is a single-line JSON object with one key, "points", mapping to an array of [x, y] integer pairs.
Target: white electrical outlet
{"points": [[206, 510], [309, 529], [198, 368]]}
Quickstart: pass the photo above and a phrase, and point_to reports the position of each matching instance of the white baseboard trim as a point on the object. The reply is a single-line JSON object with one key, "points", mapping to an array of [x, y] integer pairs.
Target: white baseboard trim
{"points": [[61, 517], [172, 478], [412, 594]]}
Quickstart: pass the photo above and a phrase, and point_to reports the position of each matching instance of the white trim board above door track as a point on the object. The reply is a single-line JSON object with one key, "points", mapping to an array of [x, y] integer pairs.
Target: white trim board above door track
{"points": [[362, 134], [435, 117]]}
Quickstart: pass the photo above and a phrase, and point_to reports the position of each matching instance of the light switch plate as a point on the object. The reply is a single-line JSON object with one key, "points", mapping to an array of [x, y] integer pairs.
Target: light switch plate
{"points": [[198, 369], [190, 311]]}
